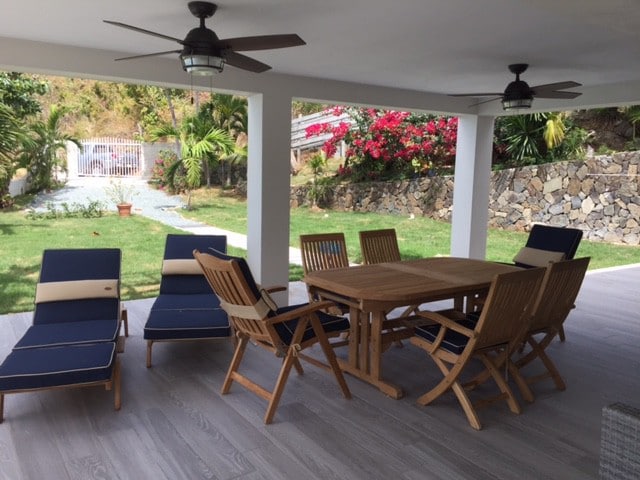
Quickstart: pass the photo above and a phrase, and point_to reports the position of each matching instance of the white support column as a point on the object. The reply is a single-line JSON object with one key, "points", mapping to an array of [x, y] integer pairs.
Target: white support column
{"points": [[268, 183], [471, 187]]}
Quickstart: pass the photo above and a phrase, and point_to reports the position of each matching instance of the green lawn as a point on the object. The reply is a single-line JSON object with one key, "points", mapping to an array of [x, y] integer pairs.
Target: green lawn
{"points": [[418, 237], [142, 242]]}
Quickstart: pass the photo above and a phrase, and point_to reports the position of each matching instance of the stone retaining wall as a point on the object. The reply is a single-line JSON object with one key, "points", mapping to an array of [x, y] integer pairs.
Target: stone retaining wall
{"points": [[599, 195]]}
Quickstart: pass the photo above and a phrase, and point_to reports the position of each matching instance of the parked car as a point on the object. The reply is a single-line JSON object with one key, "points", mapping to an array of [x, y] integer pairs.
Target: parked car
{"points": [[106, 159]]}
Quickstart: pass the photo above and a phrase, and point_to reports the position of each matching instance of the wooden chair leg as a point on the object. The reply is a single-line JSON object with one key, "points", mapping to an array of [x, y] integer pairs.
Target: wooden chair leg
{"points": [[1, 407], [235, 362], [561, 334], [117, 391], [149, 347], [125, 321], [289, 361], [514, 406], [298, 366], [330, 356], [467, 406]]}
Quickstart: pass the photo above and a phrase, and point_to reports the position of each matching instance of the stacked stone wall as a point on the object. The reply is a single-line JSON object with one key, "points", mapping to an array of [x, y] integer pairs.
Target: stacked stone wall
{"points": [[599, 195]]}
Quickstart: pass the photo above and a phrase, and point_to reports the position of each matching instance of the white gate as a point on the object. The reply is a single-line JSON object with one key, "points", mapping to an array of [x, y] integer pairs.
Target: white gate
{"points": [[110, 157]]}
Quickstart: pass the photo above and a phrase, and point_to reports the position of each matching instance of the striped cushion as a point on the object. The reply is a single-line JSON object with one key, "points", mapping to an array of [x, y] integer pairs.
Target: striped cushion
{"points": [[33, 368]]}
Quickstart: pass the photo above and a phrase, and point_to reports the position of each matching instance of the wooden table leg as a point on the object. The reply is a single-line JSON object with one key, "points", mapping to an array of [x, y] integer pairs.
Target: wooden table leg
{"points": [[354, 337]]}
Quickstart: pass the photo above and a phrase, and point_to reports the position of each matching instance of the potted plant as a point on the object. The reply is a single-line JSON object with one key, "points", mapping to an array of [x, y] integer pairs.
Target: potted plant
{"points": [[121, 194]]}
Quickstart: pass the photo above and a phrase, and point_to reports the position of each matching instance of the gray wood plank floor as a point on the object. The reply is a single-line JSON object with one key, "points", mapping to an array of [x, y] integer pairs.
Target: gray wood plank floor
{"points": [[175, 424]]}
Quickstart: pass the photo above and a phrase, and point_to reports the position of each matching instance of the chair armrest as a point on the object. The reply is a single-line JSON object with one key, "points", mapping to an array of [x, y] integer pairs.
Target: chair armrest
{"points": [[447, 323], [300, 311], [276, 288]]}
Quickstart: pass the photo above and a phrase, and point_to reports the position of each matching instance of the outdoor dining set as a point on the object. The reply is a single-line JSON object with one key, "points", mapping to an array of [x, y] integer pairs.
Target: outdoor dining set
{"points": [[502, 315]]}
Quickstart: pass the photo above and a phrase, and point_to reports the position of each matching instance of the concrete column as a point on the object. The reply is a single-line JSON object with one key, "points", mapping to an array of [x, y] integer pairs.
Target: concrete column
{"points": [[268, 184], [471, 190]]}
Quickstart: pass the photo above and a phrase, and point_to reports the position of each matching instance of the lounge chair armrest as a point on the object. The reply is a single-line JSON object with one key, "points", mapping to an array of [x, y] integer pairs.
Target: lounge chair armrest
{"points": [[447, 323]]}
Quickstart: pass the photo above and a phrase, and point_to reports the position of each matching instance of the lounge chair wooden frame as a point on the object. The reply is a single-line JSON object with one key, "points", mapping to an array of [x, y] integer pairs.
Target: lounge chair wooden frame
{"points": [[500, 329], [111, 384], [556, 299], [251, 321]]}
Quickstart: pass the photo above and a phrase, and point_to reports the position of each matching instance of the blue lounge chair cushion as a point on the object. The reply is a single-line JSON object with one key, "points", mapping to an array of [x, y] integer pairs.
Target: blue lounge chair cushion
{"points": [[554, 239], [69, 333], [181, 247], [186, 302], [330, 324], [187, 324], [33, 368], [60, 265], [76, 310], [453, 341]]}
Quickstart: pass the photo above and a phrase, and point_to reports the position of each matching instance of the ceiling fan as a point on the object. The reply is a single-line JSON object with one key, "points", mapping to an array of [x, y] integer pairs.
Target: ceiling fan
{"points": [[519, 94], [203, 53]]}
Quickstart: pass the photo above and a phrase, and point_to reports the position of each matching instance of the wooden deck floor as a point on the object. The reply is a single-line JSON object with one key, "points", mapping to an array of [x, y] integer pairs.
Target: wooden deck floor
{"points": [[174, 424]]}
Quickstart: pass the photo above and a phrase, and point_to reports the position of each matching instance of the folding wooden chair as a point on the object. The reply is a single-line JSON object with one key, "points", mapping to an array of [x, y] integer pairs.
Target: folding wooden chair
{"points": [[322, 251], [285, 331], [556, 299], [546, 244], [381, 246], [456, 338]]}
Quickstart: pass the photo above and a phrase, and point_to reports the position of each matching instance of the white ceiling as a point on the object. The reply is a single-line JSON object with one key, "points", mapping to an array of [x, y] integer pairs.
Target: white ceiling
{"points": [[435, 46]]}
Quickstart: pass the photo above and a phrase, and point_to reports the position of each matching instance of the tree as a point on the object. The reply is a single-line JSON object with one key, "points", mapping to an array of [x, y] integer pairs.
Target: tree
{"points": [[198, 143], [41, 151], [20, 93]]}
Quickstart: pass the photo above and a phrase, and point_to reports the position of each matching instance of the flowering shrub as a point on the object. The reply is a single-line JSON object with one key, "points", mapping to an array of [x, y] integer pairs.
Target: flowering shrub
{"points": [[388, 144], [162, 173]]}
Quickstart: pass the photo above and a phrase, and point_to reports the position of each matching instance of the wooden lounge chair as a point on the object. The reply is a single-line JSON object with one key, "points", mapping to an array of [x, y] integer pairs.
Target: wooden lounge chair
{"points": [[556, 299], [285, 331], [75, 335], [186, 308], [455, 339]]}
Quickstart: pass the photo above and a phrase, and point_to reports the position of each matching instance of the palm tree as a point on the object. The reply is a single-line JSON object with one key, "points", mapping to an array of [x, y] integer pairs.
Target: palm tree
{"points": [[41, 154], [229, 112], [198, 144], [11, 136]]}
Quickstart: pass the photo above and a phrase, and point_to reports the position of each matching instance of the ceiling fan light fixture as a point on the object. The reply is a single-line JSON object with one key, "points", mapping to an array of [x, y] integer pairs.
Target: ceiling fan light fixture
{"points": [[516, 103], [198, 64]]}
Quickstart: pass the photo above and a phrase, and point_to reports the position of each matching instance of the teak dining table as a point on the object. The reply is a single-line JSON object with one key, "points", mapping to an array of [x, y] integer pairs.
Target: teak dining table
{"points": [[371, 291]]}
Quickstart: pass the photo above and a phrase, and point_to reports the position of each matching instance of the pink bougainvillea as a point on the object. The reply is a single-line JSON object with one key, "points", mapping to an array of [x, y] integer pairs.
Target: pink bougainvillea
{"points": [[385, 143]]}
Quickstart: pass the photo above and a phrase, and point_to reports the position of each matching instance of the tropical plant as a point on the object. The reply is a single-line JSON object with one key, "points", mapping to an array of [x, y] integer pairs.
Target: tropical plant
{"points": [[538, 138], [199, 143], [11, 135], [41, 152]]}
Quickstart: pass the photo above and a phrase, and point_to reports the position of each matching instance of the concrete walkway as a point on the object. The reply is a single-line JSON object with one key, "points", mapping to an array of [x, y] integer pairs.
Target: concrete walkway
{"points": [[147, 201]]}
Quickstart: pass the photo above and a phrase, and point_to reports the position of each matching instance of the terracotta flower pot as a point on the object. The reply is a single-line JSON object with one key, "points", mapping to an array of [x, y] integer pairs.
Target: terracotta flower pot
{"points": [[124, 209]]}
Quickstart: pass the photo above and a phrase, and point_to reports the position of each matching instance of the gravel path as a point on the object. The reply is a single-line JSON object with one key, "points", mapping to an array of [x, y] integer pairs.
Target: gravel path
{"points": [[147, 201]]}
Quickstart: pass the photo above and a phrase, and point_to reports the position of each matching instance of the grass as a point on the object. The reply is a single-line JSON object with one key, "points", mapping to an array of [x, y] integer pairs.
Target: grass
{"points": [[142, 242], [23, 240], [418, 237]]}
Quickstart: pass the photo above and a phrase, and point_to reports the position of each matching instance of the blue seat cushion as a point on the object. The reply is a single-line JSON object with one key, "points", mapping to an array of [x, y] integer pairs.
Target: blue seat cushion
{"points": [[453, 341], [69, 333], [186, 302], [187, 324], [330, 324], [76, 310], [61, 265], [32, 368]]}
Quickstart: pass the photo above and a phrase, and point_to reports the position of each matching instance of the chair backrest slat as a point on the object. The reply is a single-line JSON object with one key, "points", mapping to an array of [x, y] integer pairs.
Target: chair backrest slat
{"points": [[379, 246], [323, 251]]}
